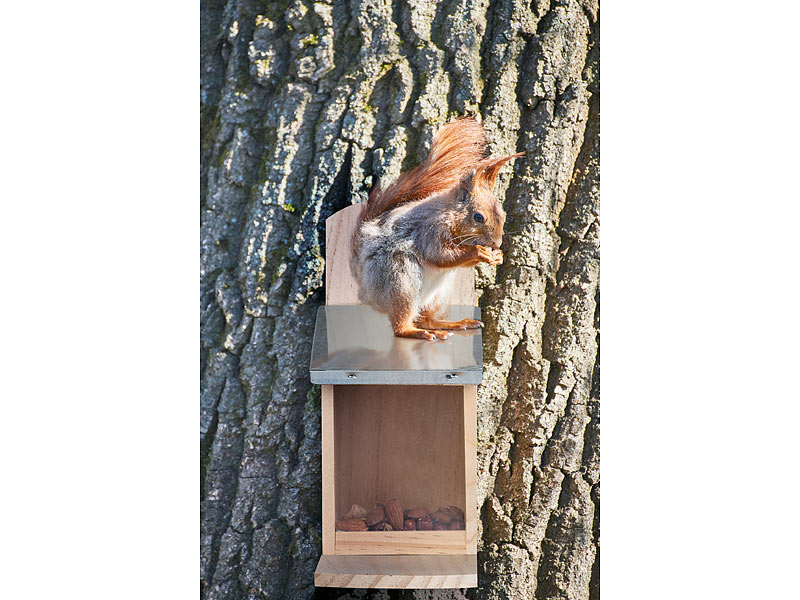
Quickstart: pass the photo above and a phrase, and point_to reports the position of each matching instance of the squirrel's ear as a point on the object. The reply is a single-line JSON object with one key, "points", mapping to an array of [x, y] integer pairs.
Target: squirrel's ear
{"points": [[491, 167], [466, 184]]}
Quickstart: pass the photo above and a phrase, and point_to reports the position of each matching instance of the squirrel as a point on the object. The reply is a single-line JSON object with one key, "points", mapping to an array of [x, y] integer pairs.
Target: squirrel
{"points": [[412, 234]]}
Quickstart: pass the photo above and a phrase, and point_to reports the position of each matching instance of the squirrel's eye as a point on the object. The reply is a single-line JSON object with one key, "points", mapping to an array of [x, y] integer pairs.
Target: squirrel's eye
{"points": [[478, 217]]}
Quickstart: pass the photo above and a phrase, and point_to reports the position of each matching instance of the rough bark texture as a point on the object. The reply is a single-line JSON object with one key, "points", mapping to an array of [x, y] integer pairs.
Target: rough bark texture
{"points": [[304, 105]]}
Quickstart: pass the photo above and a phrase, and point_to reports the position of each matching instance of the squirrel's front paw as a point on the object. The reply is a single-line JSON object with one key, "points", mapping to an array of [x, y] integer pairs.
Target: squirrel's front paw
{"points": [[490, 256]]}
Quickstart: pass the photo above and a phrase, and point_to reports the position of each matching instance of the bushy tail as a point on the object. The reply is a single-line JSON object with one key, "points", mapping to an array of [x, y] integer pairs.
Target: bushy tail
{"points": [[457, 148]]}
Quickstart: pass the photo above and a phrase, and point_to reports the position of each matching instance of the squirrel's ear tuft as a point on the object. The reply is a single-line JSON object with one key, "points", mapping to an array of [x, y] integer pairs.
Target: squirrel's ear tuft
{"points": [[490, 167]]}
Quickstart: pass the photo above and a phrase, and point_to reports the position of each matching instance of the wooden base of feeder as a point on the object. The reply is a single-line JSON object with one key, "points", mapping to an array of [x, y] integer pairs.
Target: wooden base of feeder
{"points": [[409, 571]]}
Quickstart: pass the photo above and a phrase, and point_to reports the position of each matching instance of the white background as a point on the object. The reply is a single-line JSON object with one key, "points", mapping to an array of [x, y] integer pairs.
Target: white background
{"points": [[99, 245]]}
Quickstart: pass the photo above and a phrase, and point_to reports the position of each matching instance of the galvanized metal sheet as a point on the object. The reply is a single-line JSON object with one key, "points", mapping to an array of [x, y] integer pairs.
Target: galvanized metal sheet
{"points": [[355, 345]]}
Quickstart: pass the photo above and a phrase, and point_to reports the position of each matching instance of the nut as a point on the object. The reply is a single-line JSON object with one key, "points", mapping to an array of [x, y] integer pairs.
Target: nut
{"points": [[425, 524], [355, 512], [409, 525], [456, 513], [416, 513], [394, 514], [455, 524], [351, 525], [376, 515], [441, 517], [439, 526], [382, 527]]}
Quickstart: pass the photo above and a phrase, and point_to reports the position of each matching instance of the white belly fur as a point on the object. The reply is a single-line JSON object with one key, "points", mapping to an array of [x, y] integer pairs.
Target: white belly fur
{"points": [[435, 282]]}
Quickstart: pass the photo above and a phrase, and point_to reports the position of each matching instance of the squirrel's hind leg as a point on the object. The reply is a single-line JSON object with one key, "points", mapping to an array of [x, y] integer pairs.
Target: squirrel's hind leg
{"points": [[425, 334], [404, 326], [427, 320]]}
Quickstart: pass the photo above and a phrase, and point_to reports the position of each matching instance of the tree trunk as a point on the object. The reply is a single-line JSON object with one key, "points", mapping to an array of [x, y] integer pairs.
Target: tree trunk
{"points": [[304, 106]]}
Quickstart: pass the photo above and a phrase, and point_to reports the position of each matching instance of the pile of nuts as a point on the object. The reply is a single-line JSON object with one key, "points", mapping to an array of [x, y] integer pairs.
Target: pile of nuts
{"points": [[392, 517]]}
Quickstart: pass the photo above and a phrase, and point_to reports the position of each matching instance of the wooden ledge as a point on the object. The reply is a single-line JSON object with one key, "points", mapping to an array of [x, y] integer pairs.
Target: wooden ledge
{"points": [[401, 542], [411, 571]]}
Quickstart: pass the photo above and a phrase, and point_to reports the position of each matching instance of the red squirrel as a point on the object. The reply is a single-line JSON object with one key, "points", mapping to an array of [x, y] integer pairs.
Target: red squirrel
{"points": [[413, 233]]}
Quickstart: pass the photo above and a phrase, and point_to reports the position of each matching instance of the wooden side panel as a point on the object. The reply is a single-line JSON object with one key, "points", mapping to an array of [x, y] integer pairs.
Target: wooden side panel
{"points": [[398, 572], [341, 286], [400, 542], [471, 465], [328, 472], [402, 441]]}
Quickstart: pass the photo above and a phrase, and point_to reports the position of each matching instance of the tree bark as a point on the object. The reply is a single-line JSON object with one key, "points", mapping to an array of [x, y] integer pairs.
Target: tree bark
{"points": [[304, 106]]}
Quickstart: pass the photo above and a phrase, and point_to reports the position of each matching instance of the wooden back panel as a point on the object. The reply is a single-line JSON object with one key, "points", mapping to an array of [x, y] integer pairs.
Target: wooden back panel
{"points": [[340, 285], [399, 441]]}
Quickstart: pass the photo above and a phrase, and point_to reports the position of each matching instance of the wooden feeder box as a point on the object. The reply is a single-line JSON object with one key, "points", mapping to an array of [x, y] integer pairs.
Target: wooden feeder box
{"points": [[398, 421]]}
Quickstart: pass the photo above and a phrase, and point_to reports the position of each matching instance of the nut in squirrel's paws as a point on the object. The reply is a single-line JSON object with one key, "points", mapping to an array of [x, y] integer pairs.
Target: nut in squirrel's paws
{"points": [[490, 256]]}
